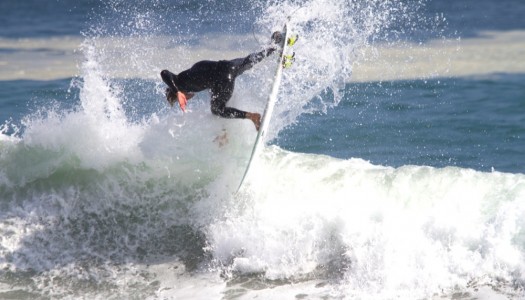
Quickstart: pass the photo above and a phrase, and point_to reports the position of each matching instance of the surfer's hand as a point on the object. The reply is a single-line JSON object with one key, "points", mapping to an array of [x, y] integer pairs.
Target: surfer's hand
{"points": [[182, 101]]}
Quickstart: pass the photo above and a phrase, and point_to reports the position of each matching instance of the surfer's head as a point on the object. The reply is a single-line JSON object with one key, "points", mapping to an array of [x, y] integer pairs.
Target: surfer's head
{"points": [[168, 79]]}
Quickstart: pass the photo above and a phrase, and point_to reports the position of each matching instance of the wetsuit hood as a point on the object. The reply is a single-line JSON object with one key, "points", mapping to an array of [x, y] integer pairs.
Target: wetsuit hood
{"points": [[169, 78]]}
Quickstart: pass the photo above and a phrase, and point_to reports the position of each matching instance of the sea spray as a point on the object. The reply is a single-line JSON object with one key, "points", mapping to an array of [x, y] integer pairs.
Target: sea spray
{"points": [[334, 36]]}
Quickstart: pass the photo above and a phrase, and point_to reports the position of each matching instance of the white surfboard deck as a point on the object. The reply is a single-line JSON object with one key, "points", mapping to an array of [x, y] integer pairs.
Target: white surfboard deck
{"points": [[268, 111]]}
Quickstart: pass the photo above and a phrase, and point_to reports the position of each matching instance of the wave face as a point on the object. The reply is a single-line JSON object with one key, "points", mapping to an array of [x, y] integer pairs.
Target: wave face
{"points": [[106, 192]]}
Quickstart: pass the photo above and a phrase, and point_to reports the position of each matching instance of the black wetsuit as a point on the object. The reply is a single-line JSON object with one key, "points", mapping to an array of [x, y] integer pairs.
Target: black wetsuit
{"points": [[218, 76]]}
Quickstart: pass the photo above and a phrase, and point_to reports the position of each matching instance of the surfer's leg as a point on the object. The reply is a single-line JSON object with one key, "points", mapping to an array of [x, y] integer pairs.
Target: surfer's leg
{"points": [[220, 95], [240, 65], [218, 107]]}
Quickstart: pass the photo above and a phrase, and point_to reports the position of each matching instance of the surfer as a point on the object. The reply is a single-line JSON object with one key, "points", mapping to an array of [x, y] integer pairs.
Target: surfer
{"points": [[219, 77]]}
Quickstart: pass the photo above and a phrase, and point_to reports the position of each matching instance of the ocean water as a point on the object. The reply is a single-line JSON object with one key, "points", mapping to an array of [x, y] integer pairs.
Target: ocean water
{"points": [[394, 167]]}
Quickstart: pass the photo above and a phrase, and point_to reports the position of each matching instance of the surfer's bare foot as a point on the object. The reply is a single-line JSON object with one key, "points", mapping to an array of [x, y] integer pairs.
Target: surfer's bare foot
{"points": [[255, 118]]}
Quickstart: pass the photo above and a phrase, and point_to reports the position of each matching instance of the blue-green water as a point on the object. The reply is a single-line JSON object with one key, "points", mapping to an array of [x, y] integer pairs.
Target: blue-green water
{"points": [[466, 122]]}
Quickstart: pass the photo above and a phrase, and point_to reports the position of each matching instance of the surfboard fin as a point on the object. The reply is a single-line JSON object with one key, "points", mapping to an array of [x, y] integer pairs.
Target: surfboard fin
{"points": [[288, 60], [291, 40]]}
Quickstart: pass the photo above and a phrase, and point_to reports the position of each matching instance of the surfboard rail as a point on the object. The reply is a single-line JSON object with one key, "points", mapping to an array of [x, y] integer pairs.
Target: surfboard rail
{"points": [[268, 110]]}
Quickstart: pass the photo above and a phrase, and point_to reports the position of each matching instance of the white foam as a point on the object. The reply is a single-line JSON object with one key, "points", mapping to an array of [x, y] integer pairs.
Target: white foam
{"points": [[406, 232]]}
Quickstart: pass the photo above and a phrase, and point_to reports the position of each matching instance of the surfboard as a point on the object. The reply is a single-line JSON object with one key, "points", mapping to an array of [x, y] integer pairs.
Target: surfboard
{"points": [[268, 110]]}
